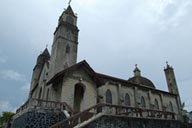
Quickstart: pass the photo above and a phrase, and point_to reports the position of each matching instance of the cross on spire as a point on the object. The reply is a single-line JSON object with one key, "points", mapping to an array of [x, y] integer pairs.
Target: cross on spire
{"points": [[167, 64], [69, 2]]}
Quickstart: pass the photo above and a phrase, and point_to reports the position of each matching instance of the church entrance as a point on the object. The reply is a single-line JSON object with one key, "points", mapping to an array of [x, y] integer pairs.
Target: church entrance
{"points": [[78, 97]]}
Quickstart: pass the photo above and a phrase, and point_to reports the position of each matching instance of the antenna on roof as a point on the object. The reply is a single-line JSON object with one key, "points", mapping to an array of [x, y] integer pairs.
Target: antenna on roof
{"points": [[69, 2], [46, 45]]}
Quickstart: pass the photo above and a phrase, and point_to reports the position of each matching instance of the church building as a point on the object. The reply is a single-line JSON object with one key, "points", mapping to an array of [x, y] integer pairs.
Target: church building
{"points": [[59, 79]]}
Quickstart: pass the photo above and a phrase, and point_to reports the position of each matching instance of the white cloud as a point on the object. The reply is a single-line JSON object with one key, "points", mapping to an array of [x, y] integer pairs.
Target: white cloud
{"points": [[87, 3], [26, 87], [6, 106], [12, 75], [164, 13]]}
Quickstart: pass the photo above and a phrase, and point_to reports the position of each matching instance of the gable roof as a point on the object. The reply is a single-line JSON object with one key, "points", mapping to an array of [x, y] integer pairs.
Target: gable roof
{"points": [[69, 11], [46, 54], [100, 78], [82, 64]]}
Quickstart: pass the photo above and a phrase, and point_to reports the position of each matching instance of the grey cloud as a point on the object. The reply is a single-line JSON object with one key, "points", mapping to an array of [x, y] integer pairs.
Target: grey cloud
{"points": [[25, 88], [185, 92], [6, 106], [3, 60], [12, 75]]}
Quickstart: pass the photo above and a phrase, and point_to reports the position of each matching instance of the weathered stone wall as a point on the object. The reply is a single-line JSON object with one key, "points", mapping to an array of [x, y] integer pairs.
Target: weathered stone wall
{"points": [[124, 122], [68, 88], [113, 89], [118, 96], [130, 91], [37, 119]]}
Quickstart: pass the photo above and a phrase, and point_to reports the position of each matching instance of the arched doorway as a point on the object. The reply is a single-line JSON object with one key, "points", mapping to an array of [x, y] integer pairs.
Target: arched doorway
{"points": [[78, 96]]}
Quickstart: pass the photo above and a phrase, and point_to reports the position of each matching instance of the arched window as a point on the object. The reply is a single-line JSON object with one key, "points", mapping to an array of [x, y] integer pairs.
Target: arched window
{"points": [[127, 100], [156, 104], [171, 87], [108, 97], [143, 102], [40, 91], [170, 106], [47, 97]]}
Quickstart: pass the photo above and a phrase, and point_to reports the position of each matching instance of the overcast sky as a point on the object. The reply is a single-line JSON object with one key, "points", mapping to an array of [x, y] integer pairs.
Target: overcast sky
{"points": [[114, 36]]}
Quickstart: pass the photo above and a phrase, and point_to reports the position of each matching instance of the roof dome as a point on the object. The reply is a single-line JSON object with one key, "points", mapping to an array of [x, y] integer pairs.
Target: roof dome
{"points": [[138, 79], [141, 80]]}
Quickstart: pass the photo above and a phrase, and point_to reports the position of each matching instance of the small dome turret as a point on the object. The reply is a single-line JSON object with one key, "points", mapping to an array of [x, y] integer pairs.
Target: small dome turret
{"points": [[137, 71], [138, 79]]}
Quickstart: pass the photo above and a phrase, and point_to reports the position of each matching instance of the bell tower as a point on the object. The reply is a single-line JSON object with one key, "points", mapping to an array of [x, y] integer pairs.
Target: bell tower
{"points": [[65, 42], [171, 82]]}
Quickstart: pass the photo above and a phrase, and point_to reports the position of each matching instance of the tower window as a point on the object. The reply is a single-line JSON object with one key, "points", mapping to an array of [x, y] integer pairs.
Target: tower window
{"points": [[67, 49], [44, 74], [70, 20]]}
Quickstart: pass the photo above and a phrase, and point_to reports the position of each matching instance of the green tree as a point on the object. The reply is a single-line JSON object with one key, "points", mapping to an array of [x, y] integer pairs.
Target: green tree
{"points": [[6, 117]]}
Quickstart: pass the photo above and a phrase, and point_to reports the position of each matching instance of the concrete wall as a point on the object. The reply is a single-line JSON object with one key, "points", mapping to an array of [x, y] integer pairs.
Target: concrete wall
{"points": [[68, 89], [130, 92], [119, 91], [167, 99], [156, 96], [144, 93], [125, 122]]}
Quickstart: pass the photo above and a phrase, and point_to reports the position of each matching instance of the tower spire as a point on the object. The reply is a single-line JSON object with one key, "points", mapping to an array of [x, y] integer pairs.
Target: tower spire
{"points": [[65, 42], [171, 82]]}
